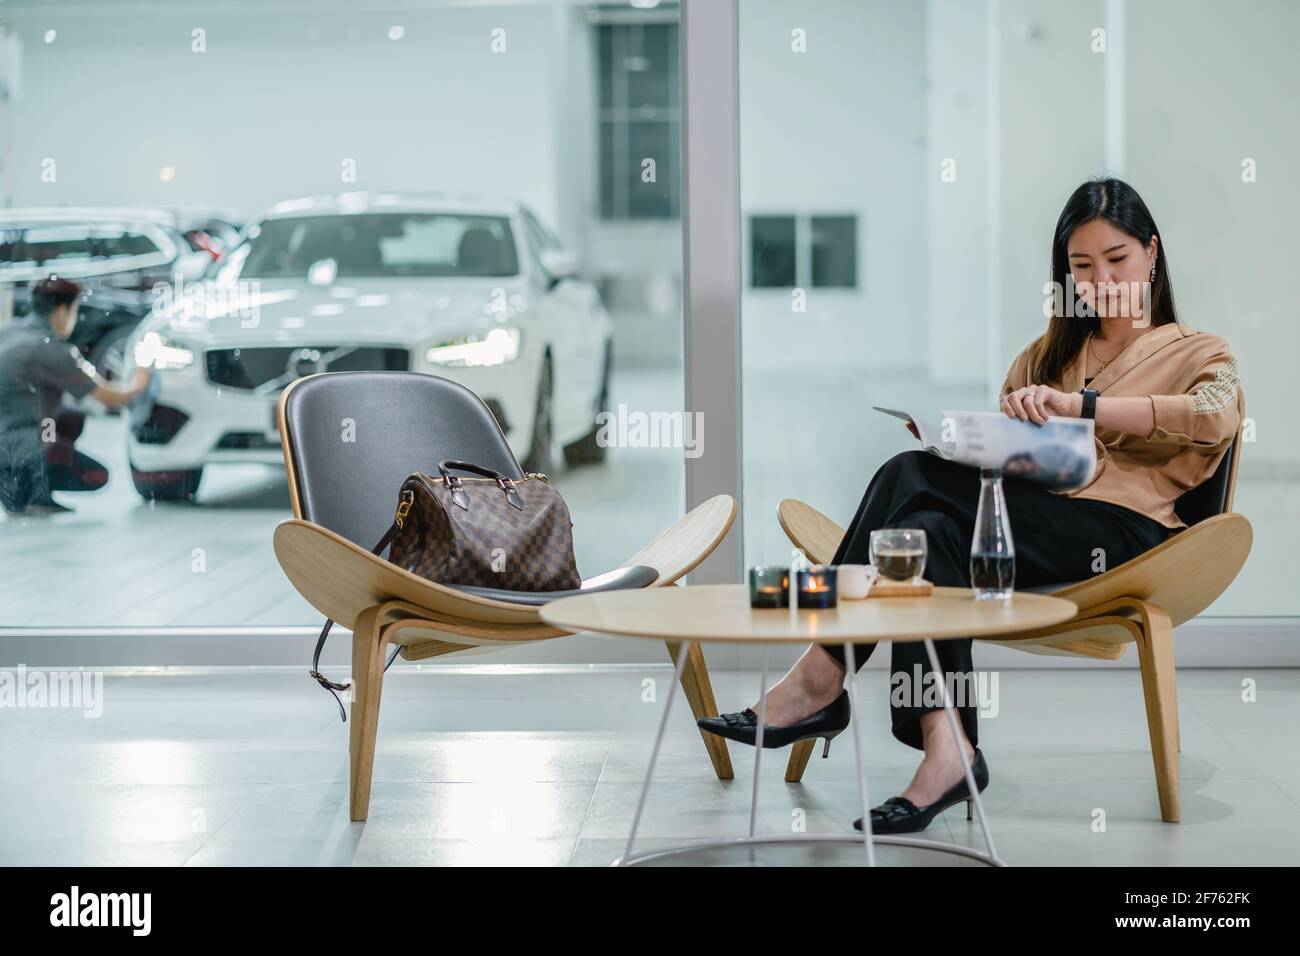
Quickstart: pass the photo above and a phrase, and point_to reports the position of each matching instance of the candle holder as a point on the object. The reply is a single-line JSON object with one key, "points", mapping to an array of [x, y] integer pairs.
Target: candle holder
{"points": [[818, 587], [769, 586]]}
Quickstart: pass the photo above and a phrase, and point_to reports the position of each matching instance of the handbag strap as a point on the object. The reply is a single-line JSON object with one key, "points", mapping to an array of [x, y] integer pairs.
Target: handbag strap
{"points": [[315, 673]]}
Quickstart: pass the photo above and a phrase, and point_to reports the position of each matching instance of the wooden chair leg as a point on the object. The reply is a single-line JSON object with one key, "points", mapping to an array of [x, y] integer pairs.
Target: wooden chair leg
{"points": [[699, 694], [368, 653], [798, 762], [1159, 687]]}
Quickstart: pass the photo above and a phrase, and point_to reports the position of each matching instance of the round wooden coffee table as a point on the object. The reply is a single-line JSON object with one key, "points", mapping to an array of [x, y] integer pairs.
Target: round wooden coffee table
{"points": [[721, 613]]}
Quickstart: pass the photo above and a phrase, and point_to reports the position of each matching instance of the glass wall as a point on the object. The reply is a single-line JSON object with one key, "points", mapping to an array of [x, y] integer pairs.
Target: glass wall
{"points": [[902, 168], [903, 164], [253, 193]]}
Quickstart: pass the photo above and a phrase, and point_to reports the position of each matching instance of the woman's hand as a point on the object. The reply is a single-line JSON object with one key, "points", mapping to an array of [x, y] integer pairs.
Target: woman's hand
{"points": [[1034, 403]]}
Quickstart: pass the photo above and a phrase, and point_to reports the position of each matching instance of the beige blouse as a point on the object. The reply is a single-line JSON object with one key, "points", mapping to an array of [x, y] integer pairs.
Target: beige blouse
{"points": [[1191, 379]]}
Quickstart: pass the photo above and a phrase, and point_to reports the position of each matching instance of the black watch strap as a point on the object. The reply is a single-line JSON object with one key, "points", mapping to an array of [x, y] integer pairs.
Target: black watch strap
{"points": [[1089, 403]]}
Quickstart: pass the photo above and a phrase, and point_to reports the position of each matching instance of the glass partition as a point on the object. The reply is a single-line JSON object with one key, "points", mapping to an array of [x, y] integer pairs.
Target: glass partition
{"points": [[902, 168], [486, 192]]}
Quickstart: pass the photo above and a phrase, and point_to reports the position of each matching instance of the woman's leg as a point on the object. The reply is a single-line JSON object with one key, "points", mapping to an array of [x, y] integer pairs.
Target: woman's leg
{"points": [[947, 538], [915, 701], [907, 483], [1057, 539], [915, 483], [815, 680]]}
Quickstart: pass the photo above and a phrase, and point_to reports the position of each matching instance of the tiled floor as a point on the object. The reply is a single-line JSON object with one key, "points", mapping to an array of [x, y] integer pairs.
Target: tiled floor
{"points": [[480, 766]]}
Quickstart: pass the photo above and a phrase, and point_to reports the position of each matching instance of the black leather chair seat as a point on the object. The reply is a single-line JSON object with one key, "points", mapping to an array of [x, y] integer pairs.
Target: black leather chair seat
{"points": [[620, 579]]}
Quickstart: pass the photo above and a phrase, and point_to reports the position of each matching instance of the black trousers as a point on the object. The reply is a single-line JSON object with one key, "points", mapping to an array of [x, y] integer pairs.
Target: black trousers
{"points": [[1057, 540]]}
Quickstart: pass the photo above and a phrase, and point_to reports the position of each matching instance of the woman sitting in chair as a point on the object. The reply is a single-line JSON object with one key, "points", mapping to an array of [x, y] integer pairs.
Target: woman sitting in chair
{"points": [[1166, 405]]}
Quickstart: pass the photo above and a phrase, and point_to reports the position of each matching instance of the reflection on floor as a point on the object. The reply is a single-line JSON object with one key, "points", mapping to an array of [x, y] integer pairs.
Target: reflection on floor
{"points": [[117, 561], [478, 766]]}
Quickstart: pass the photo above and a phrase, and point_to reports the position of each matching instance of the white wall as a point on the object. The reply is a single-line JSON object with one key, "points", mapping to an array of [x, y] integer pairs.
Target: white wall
{"points": [[285, 93], [839, 128], [1223, 88], [1052, 122], [958, 184]]}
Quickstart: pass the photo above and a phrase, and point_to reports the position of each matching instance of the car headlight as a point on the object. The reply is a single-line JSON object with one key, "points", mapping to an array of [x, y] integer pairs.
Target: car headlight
{"points": [[496, 347], [153, 351]]}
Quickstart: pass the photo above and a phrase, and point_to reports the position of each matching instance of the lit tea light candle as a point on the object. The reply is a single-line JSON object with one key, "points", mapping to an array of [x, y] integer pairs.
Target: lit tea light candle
{"points": [[817, 587], [769, 586]]}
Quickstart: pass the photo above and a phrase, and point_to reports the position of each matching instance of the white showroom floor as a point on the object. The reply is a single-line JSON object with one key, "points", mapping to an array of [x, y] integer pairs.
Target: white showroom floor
{"points": [[133, 564], [488, 766]]}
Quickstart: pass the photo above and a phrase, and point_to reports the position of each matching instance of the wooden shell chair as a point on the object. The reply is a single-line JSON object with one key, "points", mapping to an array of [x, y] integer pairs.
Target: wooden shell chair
{"points": [[349, 440], [1139, 602]]}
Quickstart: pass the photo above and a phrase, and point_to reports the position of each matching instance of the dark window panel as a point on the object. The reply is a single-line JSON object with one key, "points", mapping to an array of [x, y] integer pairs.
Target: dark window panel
{"points": [[772, 252], [835, 252], [608, 192], [605, 64], [651, 200], [637, 82], [646, 61]]}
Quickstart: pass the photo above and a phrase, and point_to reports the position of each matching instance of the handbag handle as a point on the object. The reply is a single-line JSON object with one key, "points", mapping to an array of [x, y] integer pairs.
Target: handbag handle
{"points": [[458, 496], [450, 463]]}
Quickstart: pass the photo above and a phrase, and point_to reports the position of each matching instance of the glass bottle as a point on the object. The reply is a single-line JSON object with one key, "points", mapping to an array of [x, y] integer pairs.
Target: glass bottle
{"points": [[992, 552]]}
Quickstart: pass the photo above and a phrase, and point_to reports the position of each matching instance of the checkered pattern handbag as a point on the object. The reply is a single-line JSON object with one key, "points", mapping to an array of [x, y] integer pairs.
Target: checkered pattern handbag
{"points": [[489, 531]]}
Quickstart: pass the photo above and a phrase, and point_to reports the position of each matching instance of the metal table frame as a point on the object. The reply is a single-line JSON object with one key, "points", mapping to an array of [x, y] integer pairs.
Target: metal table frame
{"points": [[868, 840]]}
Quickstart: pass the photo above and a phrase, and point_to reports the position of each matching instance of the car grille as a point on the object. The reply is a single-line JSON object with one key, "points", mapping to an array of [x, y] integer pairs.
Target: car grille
{"points": [[247, 441], [268, 368], [161, 426]]}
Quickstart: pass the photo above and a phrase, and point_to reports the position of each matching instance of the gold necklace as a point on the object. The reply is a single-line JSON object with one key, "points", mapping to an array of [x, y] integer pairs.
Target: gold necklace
{"points": [[1101, 367]]}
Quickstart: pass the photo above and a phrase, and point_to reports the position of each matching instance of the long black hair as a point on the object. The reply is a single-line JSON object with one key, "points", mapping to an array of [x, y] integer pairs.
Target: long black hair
{"points": [[1119, 204]]}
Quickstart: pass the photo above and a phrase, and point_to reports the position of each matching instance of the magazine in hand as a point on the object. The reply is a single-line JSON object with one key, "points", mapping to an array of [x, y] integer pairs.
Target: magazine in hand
{"points": [[1060, 454]]}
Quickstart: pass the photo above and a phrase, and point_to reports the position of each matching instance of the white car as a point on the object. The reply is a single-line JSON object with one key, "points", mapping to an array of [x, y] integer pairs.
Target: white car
{"points": [[477, 292]]}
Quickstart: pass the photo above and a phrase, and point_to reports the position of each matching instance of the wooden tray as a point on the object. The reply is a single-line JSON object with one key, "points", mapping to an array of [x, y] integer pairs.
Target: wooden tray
{"points": [[884, 588]]}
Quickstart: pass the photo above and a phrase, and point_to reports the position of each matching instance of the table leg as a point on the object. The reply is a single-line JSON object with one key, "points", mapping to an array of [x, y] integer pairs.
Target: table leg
{"points": [[758, 742], [956, 736], [654, 754], [867, 839]]}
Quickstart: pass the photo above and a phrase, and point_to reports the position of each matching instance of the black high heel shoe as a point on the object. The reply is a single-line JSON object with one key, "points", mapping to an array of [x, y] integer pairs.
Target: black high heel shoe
{"points": [[742, 727], [900, 815]]}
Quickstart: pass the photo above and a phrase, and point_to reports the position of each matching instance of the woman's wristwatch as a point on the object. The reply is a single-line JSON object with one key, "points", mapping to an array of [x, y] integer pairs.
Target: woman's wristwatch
{"points": [[1089, 409]]}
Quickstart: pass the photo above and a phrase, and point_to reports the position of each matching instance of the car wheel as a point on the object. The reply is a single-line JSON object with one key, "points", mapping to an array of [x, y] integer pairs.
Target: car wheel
{"points": [[109, 358], [539, 458], [587, 450], [109, 354], [181, 485]]}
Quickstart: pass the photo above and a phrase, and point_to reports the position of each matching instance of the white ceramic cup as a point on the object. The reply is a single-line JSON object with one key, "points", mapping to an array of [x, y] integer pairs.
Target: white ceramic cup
{"points": [[854, 580]]}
